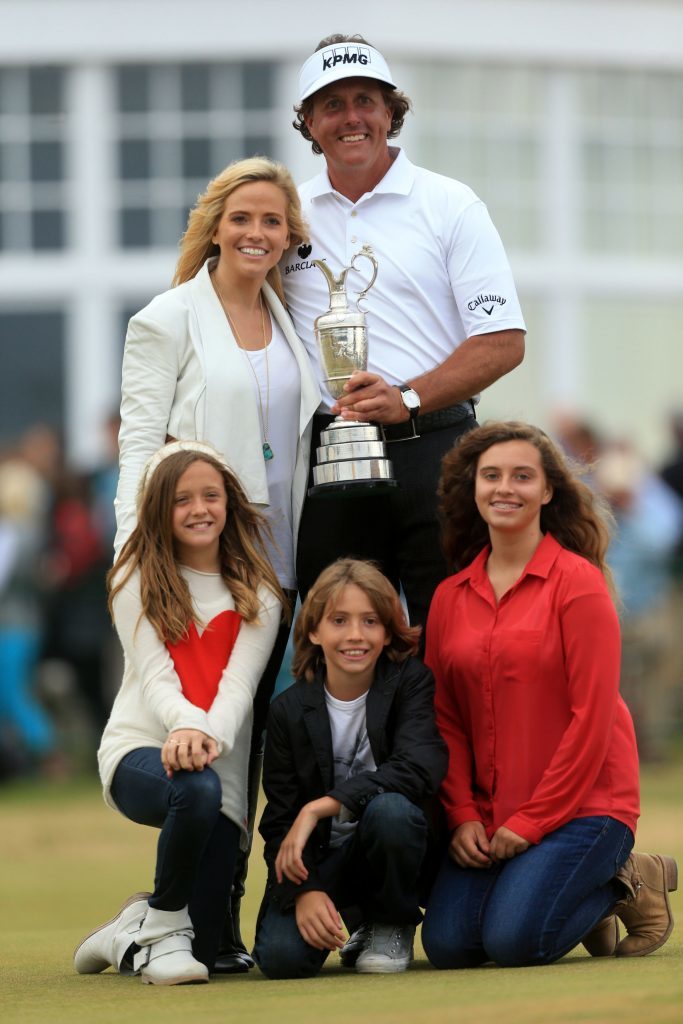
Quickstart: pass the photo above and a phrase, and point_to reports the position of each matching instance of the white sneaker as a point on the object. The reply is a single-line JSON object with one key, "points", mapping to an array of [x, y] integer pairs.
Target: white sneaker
{"points": [[106, 946], [165, 956], [389, 949]]}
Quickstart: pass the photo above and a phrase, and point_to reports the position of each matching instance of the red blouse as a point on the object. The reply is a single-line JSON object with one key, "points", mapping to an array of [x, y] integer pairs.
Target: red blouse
{"points": [[527, 697]]}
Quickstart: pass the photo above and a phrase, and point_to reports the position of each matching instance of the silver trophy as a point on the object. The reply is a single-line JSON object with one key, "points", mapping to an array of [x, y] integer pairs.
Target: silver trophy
{"points": [[351, 454]]}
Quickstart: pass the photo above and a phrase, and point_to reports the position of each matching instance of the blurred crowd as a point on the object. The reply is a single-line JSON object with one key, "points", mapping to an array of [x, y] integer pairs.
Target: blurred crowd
{"points": [[59, 658], [60, 661], [646, 560]]}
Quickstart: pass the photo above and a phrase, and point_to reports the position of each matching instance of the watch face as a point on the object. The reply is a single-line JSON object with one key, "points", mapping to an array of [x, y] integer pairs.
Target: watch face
{"points": [[411, 399]]}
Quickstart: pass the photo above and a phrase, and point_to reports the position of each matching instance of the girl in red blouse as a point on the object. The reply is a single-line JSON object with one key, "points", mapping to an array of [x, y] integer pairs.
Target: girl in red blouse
{"points": [[541, 795]]}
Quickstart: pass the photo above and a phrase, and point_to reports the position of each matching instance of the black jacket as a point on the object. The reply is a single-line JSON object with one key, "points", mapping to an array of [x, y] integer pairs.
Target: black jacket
{"points": [[410, 755]]}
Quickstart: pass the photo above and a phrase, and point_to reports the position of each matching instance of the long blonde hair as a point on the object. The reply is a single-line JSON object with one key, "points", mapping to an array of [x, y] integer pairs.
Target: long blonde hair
{"points": [[196, 245], [575, 515], [165, 595], [308, 657]]}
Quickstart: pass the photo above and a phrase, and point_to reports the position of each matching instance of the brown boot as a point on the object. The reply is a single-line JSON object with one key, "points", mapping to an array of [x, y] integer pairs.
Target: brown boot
{"points": [[646, 911], [603, 939]]}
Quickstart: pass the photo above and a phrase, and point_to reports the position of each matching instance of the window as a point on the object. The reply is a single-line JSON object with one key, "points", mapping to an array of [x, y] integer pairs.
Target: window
{"points": [[32, 388], [32, 159], [178, 126], [632, 163], [484, 125]]}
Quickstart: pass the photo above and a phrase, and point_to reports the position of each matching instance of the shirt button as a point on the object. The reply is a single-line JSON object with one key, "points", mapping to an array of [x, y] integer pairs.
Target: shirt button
{"points": [[354, 213], [353, 238]]}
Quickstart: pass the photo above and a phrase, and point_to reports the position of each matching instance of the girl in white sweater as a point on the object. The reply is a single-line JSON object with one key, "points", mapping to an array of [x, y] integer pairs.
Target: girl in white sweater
{"points": [[197, 607]]}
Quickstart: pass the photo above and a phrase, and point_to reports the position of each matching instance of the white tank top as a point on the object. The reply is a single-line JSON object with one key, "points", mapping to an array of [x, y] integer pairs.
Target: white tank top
{"points": [[280, 394]]}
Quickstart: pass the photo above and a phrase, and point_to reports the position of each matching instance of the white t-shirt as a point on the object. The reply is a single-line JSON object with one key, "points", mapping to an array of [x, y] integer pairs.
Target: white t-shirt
{"points": [[280, 396], [443, 275], [351, 753]]}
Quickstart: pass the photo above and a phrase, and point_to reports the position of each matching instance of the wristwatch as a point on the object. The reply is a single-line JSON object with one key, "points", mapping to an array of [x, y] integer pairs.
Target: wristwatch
{"points": [[410, 399]]}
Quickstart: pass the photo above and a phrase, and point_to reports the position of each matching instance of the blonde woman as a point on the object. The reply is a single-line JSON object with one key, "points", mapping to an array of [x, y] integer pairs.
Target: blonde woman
{"points": [[216, 358]]}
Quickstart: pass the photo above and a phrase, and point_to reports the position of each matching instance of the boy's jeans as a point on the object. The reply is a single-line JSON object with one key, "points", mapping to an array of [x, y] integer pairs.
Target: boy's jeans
{"points": [[377, 869]]}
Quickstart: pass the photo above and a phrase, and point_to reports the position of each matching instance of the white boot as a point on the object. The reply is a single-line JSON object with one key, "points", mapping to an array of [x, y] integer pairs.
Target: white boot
{"points": [[106, 946], [165, 956]]}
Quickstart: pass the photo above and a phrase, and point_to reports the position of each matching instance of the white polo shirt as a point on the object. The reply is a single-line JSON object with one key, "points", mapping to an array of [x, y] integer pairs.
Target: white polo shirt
{"points": [[443, 274]]}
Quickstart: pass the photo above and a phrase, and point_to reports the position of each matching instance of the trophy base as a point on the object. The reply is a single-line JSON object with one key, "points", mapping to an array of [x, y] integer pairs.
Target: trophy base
{"points": [[354, 488], [352, 458]]}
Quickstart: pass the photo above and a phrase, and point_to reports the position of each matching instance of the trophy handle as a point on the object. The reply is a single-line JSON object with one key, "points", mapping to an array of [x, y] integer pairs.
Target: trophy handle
{"points": [[366, 251]]}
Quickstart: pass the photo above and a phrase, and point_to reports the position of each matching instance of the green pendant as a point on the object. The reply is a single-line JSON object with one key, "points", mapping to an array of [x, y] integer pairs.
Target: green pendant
{"points": [[268, 452]]}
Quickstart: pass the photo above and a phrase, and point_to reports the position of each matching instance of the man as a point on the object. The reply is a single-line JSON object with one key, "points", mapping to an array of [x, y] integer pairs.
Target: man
{"points": [[443, 317]]}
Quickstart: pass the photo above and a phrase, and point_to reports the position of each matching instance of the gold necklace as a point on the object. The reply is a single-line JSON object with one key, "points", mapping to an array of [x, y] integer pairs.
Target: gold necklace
{"points": [[268, 452]]}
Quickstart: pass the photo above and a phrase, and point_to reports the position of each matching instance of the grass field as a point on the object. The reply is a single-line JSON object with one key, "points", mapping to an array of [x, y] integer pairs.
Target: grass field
{"points": [[67, 862]]}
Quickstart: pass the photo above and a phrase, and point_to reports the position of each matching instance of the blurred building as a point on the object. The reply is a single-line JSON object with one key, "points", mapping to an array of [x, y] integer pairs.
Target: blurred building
{"points": [[565, 117]]}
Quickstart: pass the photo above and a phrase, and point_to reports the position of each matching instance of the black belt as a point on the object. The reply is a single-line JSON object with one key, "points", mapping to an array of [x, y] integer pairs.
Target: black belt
{"points": [[428, 422], [425, 424]]}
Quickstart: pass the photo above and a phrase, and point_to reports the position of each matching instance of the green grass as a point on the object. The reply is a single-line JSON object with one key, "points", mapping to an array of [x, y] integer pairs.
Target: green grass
{"points": [[67, 862]]}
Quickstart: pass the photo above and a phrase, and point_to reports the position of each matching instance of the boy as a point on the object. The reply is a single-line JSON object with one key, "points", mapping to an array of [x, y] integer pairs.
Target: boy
{"points": [[352, 756]]}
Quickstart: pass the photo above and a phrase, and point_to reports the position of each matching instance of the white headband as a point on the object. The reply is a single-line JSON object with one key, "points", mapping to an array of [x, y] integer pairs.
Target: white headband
{"points": [[342, 60], [153, 463]]}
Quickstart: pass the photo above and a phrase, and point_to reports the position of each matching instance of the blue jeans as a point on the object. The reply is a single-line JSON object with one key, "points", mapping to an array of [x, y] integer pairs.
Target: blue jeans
{"points": [[197, 846], [533, 908], [377, 870]]}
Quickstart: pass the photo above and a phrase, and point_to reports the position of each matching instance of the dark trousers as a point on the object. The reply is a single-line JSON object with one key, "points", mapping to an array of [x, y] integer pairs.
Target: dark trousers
{"points": [[268, 680], [262, 700], [399, 530], [376, 870], [197, 845]]}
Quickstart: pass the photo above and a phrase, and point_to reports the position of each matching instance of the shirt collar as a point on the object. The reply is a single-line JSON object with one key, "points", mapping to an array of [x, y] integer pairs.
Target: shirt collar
{"points": [[397, 181], [543, 558], [540, 563]]}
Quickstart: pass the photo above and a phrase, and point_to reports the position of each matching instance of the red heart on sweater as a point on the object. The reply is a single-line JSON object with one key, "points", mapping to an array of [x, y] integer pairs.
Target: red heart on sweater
{"points": [[201, 660]]}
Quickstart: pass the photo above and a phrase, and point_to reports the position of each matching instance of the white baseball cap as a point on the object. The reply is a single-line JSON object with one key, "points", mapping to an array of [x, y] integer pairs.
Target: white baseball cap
{"points": [[342, 60]]}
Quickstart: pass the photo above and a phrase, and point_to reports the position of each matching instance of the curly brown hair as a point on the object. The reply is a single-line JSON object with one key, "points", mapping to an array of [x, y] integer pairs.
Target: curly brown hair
{"points": [[396, 101], [308, 657], [575, 516], [165, 595]]}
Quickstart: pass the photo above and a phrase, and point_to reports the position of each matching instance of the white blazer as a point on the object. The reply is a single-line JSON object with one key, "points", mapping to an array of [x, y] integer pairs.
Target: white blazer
{"points": [[171, 346]]}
